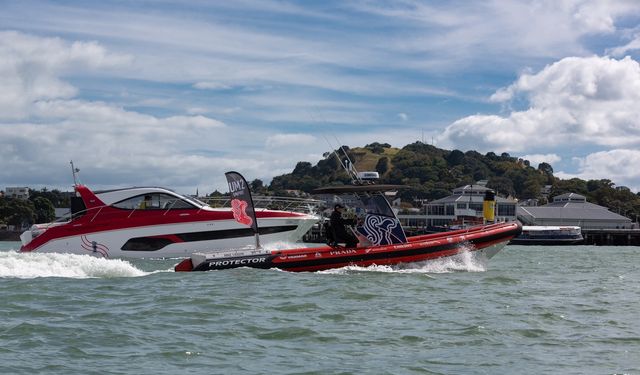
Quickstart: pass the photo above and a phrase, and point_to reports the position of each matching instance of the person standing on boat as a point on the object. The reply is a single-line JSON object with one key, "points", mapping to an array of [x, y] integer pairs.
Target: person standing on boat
{"points": [[339, 228]]}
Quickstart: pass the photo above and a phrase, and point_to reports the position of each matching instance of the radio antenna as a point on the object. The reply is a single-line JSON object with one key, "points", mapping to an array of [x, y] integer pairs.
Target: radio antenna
{"points": [[74, 171]]}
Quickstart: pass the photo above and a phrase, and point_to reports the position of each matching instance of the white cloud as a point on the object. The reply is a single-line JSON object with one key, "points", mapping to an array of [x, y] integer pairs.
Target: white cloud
{"points": [[43, 125], [30, 69], [211, 86], [289, 140], [536, 159], [469, 33], [592, 100], [619, 166]]}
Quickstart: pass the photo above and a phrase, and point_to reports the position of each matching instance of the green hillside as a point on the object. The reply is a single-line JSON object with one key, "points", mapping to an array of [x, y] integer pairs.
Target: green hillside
{"points": [[432, 173]]}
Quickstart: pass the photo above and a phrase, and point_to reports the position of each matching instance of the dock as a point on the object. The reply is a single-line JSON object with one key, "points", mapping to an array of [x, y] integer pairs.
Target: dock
{"points": [[611, 237]]}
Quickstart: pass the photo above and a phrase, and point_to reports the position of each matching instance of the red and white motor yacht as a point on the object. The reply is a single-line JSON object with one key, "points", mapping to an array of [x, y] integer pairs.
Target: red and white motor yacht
{"points": [[147, 222]]}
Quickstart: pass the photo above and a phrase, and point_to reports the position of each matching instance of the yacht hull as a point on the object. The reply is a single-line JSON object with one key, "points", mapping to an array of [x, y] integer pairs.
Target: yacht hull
{"points": [[173, 240]]}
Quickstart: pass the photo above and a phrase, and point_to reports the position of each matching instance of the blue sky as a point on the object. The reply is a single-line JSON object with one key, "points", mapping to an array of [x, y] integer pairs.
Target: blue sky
{"points": [[176, 93]]}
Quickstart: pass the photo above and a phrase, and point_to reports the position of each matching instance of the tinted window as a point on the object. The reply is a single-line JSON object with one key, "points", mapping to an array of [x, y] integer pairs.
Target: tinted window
{"points": [[155, 201]]}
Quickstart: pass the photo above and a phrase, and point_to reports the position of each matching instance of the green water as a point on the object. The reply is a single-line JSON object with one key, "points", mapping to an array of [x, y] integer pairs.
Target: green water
{"points": [[530, 310]]}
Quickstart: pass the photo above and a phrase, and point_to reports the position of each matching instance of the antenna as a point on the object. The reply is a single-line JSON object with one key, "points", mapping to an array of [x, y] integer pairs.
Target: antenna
{"points": [[74, 171], [349, 170], [352, 169]]}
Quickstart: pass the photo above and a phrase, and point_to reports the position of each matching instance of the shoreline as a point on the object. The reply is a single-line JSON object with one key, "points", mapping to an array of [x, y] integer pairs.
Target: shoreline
{"points": [[9, 236]]}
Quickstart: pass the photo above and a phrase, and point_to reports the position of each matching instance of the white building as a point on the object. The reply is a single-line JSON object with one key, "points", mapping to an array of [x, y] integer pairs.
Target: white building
{"points": [[465, 204], [17, 193]]}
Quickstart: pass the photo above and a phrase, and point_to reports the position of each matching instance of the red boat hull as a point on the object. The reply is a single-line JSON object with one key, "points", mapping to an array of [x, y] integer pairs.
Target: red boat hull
{"points": [[488, 239]]}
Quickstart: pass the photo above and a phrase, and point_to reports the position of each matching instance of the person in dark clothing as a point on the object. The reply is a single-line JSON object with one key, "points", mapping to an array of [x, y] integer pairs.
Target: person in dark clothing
{"points": [[339, 228]]}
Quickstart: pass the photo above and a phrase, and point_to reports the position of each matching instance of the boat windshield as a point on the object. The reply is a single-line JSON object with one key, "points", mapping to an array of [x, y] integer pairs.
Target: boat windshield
{"points": [[375, 204], [154, 201], [195, 201]]}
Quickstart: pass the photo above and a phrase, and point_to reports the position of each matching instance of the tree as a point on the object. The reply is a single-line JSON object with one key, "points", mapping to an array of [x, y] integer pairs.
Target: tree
{"points": [[302, 168], [43, 210], [19, 212], [531, 189], [383, 165], [377, 148], [256, 186], [545, 168], [455, 157], [501, 185]]}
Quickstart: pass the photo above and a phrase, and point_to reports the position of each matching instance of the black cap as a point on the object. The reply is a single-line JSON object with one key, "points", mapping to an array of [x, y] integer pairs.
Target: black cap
{"points": [[338, 206]]}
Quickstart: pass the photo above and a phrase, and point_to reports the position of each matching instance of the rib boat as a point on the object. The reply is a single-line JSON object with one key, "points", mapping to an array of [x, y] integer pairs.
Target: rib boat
{"points": [[382, 240]]}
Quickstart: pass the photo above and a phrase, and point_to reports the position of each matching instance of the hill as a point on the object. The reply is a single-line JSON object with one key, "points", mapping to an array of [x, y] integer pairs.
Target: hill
{"points": [[432, 173]]}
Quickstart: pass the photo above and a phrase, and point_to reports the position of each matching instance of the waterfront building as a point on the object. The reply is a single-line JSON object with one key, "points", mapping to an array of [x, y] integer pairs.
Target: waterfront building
{"points": [[573, 209], [464, 206]]}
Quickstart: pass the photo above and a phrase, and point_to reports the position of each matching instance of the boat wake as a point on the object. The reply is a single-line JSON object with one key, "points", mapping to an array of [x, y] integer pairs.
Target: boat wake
{"points": [[29, 266], [465, 261]]}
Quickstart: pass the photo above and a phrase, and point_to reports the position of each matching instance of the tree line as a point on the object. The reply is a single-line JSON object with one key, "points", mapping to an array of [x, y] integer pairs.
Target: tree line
{"points": [[39, 208]]}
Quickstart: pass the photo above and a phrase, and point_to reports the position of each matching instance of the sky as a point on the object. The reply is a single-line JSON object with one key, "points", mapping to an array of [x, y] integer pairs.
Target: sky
{"points": [[174, 94]]}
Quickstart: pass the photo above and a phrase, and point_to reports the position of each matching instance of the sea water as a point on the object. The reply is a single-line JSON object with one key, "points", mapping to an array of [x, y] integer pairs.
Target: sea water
{"points": [[530, 310]]}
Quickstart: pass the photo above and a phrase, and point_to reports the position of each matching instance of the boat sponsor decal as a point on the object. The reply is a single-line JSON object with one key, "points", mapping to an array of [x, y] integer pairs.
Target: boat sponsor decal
{"points": [[382, 230], [403, 246], [239, 208], [343, 252], [237, 262], [238, 254], [294, 256], [241, 202], [94, 247]]}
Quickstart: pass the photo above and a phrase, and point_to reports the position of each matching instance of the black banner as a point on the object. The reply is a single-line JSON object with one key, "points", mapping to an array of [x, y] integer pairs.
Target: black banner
{"points": [[241, 202]]}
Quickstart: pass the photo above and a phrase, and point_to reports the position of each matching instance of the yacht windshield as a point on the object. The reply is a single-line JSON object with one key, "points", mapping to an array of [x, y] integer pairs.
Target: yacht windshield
{"points": [[195, 201], [155, 201]]}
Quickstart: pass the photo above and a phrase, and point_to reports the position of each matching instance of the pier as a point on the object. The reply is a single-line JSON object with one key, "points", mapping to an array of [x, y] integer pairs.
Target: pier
{"points": [[611, 237]]}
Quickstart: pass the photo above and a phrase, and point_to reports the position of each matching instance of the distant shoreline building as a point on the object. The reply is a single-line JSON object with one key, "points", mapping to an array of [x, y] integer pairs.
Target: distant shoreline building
{"points": [[573, 209], [464, 206], [17, 193]]}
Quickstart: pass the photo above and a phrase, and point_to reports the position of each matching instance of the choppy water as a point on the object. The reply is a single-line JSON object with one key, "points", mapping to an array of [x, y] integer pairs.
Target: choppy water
{"points": [[531, 310]]}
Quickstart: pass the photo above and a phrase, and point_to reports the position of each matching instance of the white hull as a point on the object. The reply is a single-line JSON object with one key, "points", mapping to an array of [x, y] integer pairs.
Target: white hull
{"points": [[109, 243]]}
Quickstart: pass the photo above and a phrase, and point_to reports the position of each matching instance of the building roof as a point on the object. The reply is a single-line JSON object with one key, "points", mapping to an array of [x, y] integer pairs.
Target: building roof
{"points": [[585, 211], [469, 198], [570, 197], [470, 193]]}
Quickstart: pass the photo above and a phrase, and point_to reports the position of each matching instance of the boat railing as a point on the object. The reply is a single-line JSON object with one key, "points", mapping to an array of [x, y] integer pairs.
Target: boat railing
{"points": [[300, 205]]}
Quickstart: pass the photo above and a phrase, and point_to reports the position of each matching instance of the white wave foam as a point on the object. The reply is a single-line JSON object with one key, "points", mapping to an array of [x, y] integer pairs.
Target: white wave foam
{"points": [[466, 261], [28, 266]]}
